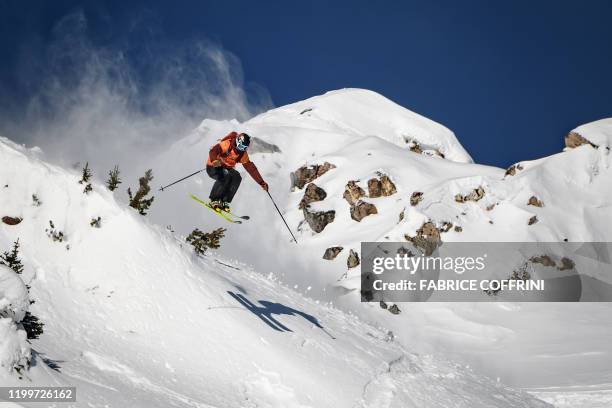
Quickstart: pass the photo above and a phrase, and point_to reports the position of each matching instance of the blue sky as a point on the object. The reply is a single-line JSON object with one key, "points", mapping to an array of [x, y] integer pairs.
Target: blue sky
{"points": [[509, 78]]}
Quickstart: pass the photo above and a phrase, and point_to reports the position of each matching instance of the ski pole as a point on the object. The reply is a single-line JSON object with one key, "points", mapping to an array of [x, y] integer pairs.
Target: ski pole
{"points": [[281, 215], [178, 181]]}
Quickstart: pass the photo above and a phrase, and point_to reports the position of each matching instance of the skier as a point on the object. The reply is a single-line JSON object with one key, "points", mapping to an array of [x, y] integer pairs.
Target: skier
{"points": [[222, 159]]}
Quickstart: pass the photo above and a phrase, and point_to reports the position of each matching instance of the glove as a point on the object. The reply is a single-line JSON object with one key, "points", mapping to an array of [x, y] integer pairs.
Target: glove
{"points": [[216, 163], [264, 185]]}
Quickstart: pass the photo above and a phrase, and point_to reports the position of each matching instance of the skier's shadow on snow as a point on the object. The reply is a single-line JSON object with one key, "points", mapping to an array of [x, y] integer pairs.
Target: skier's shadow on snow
{"points": [[267, 309]]}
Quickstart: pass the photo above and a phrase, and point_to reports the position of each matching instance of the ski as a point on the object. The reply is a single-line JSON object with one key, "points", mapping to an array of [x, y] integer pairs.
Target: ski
{"points": [[226, 216]]}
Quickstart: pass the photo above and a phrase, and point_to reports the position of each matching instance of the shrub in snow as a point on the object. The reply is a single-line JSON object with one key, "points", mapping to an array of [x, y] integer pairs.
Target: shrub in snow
{"points": [[86, 176], [32, 326], [11, 259], [96, 222], [113, 179], [201, 241], [54, 234], [138, 201], [36, 201]]}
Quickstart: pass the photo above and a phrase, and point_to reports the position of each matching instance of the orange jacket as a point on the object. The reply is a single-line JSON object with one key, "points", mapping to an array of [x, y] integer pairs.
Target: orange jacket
{"points": [[226, 152]]}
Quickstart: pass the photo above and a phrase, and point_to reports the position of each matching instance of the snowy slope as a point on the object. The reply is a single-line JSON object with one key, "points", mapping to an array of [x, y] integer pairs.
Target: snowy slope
{"points": [[133, 318], [362, 134]]}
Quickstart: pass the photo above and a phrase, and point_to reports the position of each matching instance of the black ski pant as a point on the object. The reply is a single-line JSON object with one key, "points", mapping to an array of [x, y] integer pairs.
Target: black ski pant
{"points": [[226, 184]]}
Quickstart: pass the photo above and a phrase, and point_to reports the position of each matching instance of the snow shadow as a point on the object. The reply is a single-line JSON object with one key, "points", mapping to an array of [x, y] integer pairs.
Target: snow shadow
{"points": [[267, 310]]}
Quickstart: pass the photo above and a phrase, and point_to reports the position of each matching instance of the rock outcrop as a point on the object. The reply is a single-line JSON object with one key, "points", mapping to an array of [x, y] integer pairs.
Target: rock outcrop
{"points": [[11, 220], [427, 238], [312, 194], [574, 139], [332, 252], [306, 174], [362, 209], [416, 198], [475, 195], [352, 192], [533, 200], [261, 146], [381, 187], [513, 169], [318, 220], [353, 260]]}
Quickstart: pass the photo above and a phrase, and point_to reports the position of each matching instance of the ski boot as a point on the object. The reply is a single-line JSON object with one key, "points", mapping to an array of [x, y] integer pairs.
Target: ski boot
{"points": [[225, 206], [216, 205]]}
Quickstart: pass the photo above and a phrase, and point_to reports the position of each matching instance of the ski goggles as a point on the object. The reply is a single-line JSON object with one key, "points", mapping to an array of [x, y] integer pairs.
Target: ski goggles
{"points": [[240, 146]]}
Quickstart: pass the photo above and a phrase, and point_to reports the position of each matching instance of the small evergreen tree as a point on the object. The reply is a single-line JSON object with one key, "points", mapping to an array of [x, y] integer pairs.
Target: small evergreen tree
{"points": [[32, 325], [55, 235], [96, 222], [36, 201], [11, 259], [85, 178], [138, 201], [201, 241], [113, 179]]}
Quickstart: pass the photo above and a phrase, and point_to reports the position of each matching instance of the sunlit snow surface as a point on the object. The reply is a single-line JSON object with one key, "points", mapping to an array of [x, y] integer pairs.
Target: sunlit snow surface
{"points": [[132, 316]]}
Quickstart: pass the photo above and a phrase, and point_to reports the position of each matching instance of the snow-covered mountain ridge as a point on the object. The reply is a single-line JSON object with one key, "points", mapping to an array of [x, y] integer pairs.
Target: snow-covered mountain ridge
{"points": [[132, 317], [565, 196], [130, 264]]}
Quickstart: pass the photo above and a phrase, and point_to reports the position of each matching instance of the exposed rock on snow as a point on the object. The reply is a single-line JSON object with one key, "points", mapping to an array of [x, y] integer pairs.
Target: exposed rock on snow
{"points": [[352, 192], [306, 174], [261, 146], [533, 200], [415, 147], [543, 260], [566, 264], [312, 194], [353, 260], [532, 220], [475, 195], [427, 238], [575, 139], [381, 187], [513, 169], [332, 252], [318, 220], [11, 220], [394, 309], [362, 209], [416, 198], [446, 226]]}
